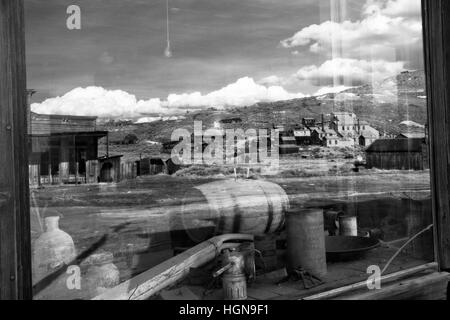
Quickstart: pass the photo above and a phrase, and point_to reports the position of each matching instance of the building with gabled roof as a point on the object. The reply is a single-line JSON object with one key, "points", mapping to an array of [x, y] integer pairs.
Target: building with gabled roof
{"points": [[411, 135], [398, 154]]}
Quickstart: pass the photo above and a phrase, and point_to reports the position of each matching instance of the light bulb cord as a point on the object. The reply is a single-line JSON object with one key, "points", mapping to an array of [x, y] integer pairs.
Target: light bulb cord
{"points": [[167, 22]]}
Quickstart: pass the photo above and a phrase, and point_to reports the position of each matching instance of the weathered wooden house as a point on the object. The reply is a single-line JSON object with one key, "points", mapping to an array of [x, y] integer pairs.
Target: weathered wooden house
{"points": [[398, 154], [109, 168], [150, 166], [127, 171], [51, 123], [288, 145], [336, 141], [63, 149], [302, 136]]}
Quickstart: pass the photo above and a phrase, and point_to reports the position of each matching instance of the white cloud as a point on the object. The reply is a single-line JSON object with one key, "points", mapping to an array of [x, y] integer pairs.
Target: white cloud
{"points": [[243, 92], [385, 27], [350, 72], [271, 81], [327, 90], [154, 119], [394, 8], [410, 123], [97, 101]]}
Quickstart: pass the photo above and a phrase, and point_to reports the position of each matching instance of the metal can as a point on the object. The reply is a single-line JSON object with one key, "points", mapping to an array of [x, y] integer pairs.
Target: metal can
{"points": [[306, 241], [234, 286], [348, 226]]}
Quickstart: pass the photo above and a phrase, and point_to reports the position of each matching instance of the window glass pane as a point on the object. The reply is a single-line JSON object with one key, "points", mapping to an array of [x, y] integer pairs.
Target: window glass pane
{"points": [[157, 125]]}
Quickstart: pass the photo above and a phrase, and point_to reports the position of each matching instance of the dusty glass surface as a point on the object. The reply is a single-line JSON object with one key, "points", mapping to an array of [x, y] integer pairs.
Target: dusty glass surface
{"points": [[156, 125]]}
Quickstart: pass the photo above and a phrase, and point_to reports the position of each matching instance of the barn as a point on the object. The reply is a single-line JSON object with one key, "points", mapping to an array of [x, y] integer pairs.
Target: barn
{"points": [[398, 154]]}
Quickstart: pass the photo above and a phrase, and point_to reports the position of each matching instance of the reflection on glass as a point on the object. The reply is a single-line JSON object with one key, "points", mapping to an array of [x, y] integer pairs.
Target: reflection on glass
{"points": [[303, 124]]}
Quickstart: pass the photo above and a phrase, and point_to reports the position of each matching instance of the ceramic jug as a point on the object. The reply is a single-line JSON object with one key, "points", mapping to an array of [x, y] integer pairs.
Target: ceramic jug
{"points": [[52, 250]]}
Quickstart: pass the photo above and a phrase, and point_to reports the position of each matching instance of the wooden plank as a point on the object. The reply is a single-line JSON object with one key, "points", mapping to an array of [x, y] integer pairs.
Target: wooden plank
{"points": [[15, 253], [170, 271], [436, 21], [343, 290], [429, 287]]}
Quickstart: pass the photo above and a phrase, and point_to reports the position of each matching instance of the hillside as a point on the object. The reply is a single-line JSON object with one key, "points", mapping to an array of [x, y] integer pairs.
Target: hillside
{"points": [[385, 105]]}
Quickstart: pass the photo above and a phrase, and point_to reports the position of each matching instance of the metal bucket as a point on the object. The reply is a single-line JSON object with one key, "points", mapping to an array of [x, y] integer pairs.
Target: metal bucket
{"points": [[348, 226], [306, 241]]}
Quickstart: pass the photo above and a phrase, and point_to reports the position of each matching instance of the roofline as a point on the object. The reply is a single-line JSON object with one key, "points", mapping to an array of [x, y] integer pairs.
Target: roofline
{"points": [[66, 116], [368, 150], [110, 157], [69, 133]]}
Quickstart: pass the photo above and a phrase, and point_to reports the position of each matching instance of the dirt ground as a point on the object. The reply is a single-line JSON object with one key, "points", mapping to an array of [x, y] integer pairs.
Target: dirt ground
{"points": [[91, 211], [134, 219]]}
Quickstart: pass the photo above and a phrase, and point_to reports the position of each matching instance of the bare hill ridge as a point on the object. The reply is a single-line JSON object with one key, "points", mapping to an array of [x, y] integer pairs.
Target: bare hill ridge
{"points": [[385, 105]]}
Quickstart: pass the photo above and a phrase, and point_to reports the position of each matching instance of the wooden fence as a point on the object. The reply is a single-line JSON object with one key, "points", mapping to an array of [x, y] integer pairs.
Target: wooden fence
{"points": [[128, 170]]}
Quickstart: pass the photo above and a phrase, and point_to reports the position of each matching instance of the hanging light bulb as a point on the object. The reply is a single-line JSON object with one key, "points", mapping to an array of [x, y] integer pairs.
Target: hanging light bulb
{"points": [[168, 51]]}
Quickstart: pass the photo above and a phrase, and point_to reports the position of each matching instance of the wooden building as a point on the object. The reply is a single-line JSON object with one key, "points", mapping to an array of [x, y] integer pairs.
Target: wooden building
{"points": [[150, 166], [398, 154], [411, 135], [302, 135], [46, 124], [109, 168], [127, 170], [337, 141], [59, 158], [288, 145], [63, 149]]}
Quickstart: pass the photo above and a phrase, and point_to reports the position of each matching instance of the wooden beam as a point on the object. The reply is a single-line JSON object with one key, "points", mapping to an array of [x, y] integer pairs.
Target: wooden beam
{"points": [[436, 22], [15, 253], [429, 287], [170, 271], [385, 280]]}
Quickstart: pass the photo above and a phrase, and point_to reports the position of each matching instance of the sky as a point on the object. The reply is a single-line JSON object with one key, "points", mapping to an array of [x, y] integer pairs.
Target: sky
{"points": [[225, 52]]}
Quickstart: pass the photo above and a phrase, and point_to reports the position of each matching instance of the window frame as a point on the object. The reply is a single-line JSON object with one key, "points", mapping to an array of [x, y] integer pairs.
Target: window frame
{"points": [[15, 240], [436, 39], [15, 244]]}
